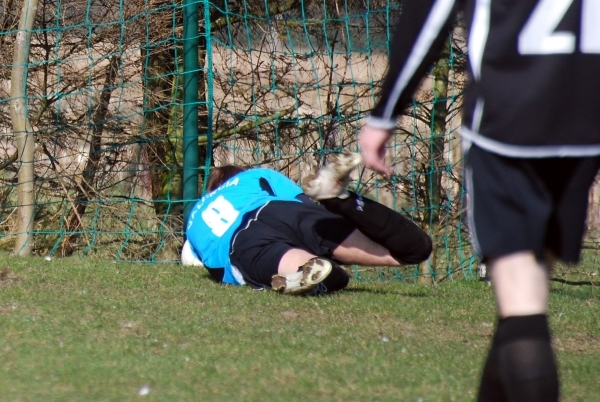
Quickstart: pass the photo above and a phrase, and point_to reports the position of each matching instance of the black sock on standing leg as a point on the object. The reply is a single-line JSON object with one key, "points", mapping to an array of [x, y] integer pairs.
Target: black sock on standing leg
{"points": [[527, 364], [406, 241], [524, 360], [490, 388]]}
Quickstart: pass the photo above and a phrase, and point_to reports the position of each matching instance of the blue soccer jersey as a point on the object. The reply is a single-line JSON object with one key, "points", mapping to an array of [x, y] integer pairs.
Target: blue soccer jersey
{"points": [[217, 216]]}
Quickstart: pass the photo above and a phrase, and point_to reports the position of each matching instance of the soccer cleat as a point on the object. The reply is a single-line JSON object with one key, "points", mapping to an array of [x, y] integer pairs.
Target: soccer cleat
{"points": [[332, 180], [319, 290], [305, 280], [337, 280]]}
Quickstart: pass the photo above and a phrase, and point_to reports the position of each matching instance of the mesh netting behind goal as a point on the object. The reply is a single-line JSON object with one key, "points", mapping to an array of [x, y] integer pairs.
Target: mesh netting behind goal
{"points": [[292, 85], [280, 85]]}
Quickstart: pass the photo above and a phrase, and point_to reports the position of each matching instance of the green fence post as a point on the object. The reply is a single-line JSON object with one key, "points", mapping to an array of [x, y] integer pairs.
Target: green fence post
{"points": [[190, 106]]}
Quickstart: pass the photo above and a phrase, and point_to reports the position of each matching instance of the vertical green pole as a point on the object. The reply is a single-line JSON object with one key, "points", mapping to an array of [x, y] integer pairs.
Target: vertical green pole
{"points": [[190, 106]]}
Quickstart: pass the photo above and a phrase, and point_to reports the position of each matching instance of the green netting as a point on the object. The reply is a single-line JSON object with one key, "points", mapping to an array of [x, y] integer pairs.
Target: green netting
{"points": [[279, 84]]}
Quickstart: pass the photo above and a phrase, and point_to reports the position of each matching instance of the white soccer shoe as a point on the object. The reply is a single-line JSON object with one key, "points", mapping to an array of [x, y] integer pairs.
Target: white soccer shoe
{"points": [[332, 180], [305, 280]]}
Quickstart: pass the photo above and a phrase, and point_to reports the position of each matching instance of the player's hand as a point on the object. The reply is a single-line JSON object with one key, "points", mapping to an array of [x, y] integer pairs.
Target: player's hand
{"points": [[372, 143]]}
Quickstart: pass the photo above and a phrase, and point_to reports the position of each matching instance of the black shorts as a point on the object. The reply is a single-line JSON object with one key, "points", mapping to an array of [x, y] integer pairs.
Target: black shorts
{"points": [[528, 204], [274, 229]]}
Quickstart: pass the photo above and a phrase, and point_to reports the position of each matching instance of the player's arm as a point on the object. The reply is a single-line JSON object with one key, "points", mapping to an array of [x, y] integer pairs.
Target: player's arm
{"points": [[418, 39]]}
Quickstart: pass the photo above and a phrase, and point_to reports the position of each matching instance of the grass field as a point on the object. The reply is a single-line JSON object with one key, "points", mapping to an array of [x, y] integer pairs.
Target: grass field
{"points": [[88, 330]]}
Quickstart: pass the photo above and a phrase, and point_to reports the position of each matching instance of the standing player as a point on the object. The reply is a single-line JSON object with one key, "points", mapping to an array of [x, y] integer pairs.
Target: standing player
{"points": [[532, 139], [256, 227]]}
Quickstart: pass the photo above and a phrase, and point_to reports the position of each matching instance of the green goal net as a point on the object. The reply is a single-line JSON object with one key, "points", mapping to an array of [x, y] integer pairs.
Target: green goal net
{"points": [[128, 104]]}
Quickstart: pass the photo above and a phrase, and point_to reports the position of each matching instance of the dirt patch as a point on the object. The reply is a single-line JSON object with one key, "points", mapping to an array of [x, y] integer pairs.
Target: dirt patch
{"points": [[289, 314], [7, 276], [579, 343]]}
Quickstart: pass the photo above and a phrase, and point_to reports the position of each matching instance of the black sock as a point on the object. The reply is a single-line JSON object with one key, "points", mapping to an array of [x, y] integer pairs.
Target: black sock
{"points": [[491, 389], [524, 359], [337, 280], [406, 242]]}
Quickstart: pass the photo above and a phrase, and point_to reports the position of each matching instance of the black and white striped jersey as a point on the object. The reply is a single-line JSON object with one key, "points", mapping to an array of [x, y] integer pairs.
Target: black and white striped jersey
{"points": [[534, 69]]}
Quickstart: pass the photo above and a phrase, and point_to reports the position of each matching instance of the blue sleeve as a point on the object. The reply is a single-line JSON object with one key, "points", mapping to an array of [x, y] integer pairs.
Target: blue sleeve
{"points": [[281, 185]]}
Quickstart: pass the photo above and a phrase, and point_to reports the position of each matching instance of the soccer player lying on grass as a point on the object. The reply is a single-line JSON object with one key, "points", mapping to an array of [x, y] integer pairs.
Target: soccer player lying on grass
{"points": [[257, 227]]}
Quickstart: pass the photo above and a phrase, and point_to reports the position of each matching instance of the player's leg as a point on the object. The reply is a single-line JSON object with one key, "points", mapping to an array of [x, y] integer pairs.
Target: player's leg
{"points": [[360, 250], [301, 272], [266, 259], [519, 210], [292, 259], [521, 364], [326, 235], [408, 243], [288, 246], [404, 240], [354, 247], [520, 284]]}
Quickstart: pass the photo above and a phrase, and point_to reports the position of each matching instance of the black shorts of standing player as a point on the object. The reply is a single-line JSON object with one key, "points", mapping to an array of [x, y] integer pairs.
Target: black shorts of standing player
{"points": [[528, 204]]}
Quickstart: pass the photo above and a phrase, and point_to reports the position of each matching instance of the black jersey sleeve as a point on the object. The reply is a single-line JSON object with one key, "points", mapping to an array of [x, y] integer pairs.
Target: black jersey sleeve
{"points": [[418, 38]]}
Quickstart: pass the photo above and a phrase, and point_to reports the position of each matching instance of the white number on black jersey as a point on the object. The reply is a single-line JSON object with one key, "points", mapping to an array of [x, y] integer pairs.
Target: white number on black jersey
{"points": [[539, 35], [219, 215]]}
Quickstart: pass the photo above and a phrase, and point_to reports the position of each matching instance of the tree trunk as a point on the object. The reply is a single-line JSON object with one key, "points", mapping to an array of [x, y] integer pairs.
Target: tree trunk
{"points": [[23, 131], [436, 162], [158, 91], [87, 189]]}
